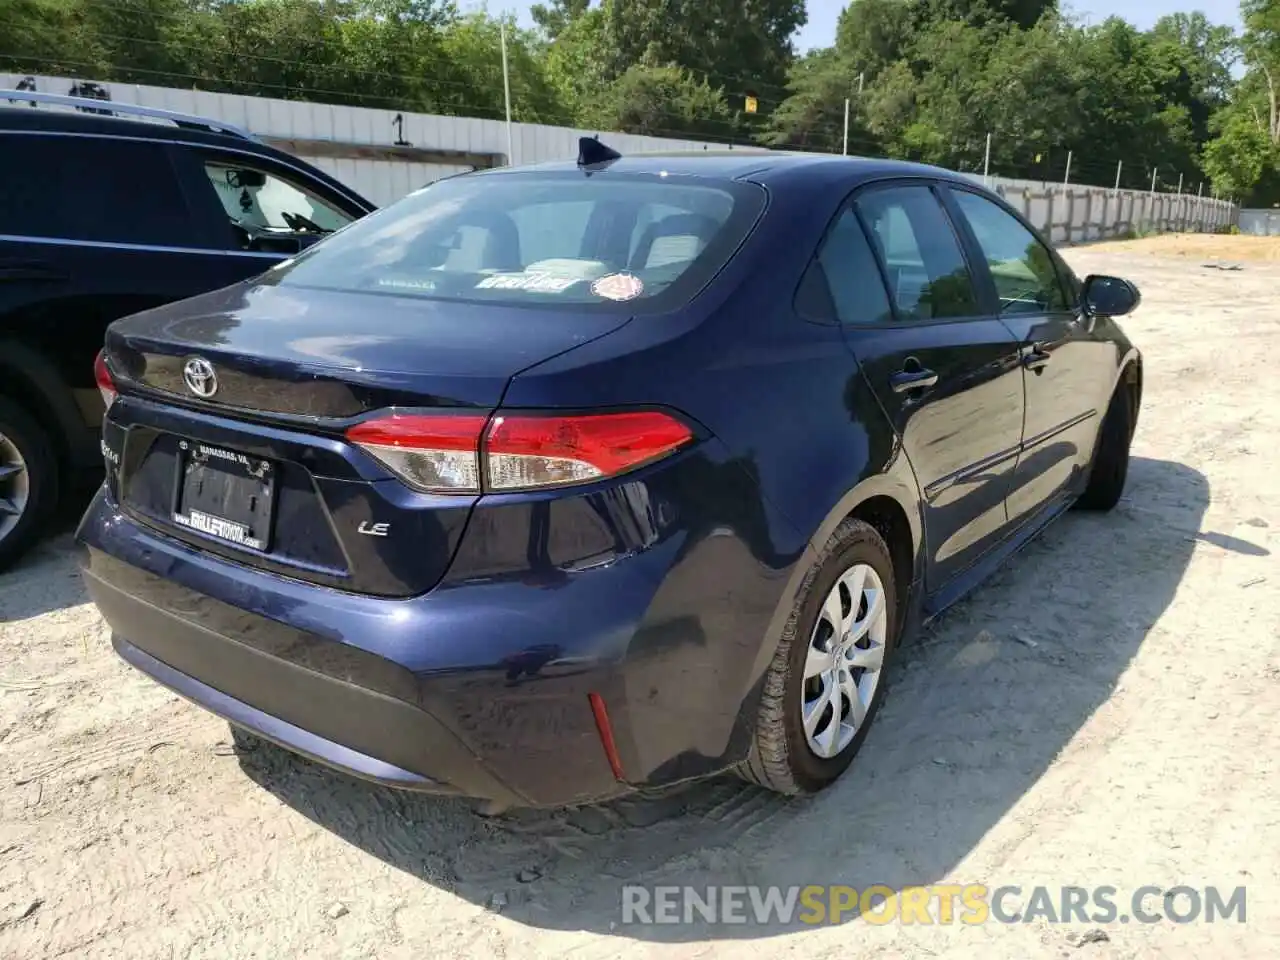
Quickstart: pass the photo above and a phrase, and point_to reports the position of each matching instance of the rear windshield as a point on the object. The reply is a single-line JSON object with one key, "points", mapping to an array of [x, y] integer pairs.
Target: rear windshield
{"points": [[562, 238]]}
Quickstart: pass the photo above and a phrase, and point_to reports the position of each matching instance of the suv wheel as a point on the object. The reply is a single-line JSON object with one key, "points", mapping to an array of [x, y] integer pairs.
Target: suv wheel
{"points": [[28, 481]]}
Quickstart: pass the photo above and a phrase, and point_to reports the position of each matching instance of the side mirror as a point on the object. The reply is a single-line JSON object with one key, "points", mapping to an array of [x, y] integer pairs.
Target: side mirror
{"points": [[1104, 296]]}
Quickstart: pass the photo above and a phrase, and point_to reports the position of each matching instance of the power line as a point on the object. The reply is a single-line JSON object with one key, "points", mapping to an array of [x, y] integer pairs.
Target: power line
{"points": [[400, 45], [862, 145], [424, 92], [391, 103]]}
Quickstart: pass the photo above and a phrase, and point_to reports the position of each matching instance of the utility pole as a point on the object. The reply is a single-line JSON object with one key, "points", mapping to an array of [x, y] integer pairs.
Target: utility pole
{"points": [[1119, 167], [986, 162], [1066, 177], [506, 93], [844, 150]]}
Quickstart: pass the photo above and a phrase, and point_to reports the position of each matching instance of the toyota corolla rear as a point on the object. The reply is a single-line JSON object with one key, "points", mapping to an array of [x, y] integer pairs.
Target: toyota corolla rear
{"points": [[323, 521]]}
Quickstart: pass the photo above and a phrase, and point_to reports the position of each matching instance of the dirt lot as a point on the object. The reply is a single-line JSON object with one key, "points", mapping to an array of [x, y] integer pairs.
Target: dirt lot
{"points": [[1104, 712], [1201, 246]]}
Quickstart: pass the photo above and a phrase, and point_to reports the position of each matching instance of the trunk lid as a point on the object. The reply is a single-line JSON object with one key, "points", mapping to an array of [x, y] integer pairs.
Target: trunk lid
{"points": [[259, 471], [304, 352]]}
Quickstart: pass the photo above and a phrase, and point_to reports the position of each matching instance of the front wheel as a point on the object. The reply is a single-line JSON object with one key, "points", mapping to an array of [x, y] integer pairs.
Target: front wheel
{"points": [[1110, 466], [28, 481], [827, 678]]}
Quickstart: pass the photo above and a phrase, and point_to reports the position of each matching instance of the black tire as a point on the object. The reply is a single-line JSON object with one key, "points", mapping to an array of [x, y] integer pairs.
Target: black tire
{"points": [[780, 758], [36, 450], [1110, 466]]}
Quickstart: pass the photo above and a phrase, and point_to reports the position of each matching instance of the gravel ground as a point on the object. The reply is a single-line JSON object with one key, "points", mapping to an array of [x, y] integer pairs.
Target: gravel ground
{"points": [[1103, 712]]}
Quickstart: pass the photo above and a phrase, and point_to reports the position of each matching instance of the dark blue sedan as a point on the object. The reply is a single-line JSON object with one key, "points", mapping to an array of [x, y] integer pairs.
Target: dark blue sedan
{"points": [[548, 484]]}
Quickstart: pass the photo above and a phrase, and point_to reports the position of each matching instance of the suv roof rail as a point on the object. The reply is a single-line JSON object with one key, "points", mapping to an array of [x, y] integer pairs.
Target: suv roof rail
{"points": [[91, 104]]}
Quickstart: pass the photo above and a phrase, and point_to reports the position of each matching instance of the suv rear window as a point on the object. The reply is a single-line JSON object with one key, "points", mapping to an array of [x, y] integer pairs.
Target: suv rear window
{"points": [[546, 238]]}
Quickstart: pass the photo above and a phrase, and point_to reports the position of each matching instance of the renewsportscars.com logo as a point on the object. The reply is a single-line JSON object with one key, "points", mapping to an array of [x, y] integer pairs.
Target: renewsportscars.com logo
{"points": [[934, 904]]}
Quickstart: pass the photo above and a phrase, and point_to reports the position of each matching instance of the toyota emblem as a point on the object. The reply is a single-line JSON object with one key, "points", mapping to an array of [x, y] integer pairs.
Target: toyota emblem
{"points": [[200, 378]]}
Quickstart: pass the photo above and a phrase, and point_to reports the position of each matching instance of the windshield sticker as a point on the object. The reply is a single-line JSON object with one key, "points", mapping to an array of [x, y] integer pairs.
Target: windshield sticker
{"points": [[533, 282], [618, 286], [406, 284]]}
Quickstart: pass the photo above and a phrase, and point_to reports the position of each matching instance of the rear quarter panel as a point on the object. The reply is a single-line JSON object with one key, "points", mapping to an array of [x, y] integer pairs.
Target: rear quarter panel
{"points": [[803, 442]]}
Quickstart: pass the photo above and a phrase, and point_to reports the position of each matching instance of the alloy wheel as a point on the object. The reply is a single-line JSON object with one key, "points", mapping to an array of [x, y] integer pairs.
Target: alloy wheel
{"points": [[845, 661], [15, 486]]}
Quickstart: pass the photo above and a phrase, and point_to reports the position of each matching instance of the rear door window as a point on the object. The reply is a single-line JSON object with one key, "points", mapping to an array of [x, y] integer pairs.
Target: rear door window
{"points": [[928, 276], [585, 242], [96, 189], [850, 280]]}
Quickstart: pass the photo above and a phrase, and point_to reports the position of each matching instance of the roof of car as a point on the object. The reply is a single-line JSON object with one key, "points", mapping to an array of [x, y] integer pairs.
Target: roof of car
{"points": [[751, 163], [17, 116]]}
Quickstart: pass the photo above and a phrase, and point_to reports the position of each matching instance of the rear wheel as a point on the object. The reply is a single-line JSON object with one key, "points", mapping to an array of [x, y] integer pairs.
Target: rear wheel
{"points": [[1110, 467], [28, 481], [826, 681]]}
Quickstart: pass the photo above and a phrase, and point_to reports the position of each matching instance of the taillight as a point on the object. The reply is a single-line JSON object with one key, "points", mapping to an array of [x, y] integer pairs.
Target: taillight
{"points": [[530, 451], [444, 454], [102, 376], [436, 454]]}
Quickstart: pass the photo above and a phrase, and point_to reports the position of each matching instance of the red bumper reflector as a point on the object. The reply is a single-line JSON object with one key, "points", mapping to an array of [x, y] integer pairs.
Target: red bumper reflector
{"points": [[606, 734]]}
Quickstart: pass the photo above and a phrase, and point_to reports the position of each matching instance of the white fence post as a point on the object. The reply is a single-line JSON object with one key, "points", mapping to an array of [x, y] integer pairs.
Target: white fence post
{"points": [[1151, 197]]}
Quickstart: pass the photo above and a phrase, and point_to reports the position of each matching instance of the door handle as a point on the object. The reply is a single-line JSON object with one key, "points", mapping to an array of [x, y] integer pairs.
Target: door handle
{"points": [[912, 377], [1036, 360]]}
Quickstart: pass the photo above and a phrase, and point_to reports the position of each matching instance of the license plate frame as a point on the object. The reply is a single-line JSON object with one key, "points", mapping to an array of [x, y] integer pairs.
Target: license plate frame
{"points": [[225, 495]]}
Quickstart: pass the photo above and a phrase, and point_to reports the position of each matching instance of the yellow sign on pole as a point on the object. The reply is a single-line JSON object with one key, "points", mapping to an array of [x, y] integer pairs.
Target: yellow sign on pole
{"points": [[751, 105]]}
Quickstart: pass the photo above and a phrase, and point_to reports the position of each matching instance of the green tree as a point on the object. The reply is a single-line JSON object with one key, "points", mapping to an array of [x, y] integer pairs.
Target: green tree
{"points": [[579, 61], [744, 47], [471, 53], [872, 34], [812, 115], [1261, 45], [925, 79], [1243, 158], [664, 101], [555, 18]]}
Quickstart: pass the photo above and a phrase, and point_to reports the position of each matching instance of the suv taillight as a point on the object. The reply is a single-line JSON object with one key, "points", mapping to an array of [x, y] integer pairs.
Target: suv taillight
{"points": [[516, 451], [102, 376]]}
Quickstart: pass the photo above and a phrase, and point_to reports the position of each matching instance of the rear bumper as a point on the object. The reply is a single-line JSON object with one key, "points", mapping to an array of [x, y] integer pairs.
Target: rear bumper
{"points": [[418, 694], [479, 688], [278, 731]]}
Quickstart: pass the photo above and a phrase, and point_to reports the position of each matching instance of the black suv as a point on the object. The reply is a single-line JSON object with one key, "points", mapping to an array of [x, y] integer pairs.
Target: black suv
{"points": [[106, 210]]}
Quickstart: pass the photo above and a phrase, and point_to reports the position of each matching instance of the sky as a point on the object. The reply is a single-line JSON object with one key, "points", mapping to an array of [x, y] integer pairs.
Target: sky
{"points": [[820, 31]]}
